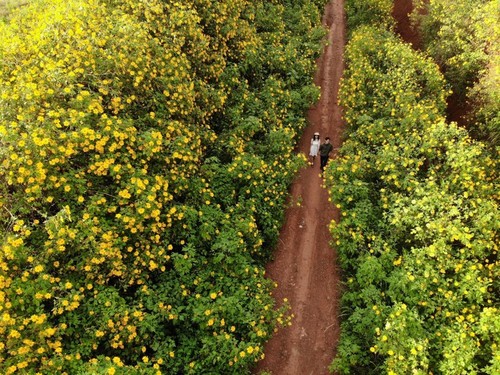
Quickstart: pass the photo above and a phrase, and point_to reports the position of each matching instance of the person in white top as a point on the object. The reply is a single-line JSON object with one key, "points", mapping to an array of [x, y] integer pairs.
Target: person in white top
{"points": [[315, 143]]}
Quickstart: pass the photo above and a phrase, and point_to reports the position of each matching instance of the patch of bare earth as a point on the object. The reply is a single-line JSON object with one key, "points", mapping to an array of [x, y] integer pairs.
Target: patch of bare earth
{"points": [[401, 11], [304, 265]]}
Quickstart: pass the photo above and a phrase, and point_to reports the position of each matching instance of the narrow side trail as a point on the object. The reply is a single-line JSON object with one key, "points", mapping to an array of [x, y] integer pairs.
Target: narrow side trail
{"points": [[305, 265], [457, 110], [401, 11]]}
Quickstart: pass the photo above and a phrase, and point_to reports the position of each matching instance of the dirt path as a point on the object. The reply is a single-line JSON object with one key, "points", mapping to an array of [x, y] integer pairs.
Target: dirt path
{"points": [[401, 11], [305, 264]]}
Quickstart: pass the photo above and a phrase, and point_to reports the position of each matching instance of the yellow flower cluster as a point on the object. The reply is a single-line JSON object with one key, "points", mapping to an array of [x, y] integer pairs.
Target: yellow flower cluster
{"points": [[146, 151], [418, 197]]}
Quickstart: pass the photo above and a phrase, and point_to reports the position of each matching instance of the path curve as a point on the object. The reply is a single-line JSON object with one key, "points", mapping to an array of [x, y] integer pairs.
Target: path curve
{"points": [[305, 266]]}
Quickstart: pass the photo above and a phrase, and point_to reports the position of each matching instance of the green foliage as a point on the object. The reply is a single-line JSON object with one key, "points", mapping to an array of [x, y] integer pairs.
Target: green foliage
{"points": [[368, 12], [418, 238], [463, 38], [146, 152], [449, 33]]}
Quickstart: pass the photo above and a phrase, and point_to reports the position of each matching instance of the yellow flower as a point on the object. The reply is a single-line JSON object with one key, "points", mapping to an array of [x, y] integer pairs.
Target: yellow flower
{"points": [[38, 268], [50, 332], [124, 194]]}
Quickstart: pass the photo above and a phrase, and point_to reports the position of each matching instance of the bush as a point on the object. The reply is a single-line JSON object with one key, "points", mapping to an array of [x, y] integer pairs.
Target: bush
{"points": [[368, 12], [419, 230], [463, 39], [146, 152]]}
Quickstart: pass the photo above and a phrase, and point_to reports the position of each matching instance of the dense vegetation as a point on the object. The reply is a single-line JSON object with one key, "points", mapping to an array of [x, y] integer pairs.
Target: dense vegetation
{"points": [[464, 40], [418, 240], [363, 12], [145, 155]]}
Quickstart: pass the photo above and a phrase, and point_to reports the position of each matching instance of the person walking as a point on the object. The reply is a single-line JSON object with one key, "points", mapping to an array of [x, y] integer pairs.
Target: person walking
{"points": [[313, 150], [324, 153]]}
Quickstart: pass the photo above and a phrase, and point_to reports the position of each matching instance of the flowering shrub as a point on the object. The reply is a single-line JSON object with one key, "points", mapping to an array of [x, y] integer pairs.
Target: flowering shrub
{"points": [[418, 238], [146, 151], [463, 38], [368, 12], [452, 37]]}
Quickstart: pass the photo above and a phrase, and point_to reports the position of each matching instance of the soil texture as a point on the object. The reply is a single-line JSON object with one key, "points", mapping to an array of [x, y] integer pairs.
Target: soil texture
{"points": [[401, 11]]}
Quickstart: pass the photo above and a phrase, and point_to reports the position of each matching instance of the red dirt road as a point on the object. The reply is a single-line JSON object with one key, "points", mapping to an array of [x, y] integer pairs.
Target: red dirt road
{"points": [[305, 265]]}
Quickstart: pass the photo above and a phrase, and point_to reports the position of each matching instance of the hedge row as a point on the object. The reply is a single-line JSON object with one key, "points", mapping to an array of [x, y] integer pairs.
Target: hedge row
{"points": [[418, 239], [145, 155]]}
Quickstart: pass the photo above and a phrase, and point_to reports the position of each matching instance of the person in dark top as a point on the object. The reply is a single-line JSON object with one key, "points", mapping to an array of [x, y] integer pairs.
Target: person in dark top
{"points": [[324, 152]]}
